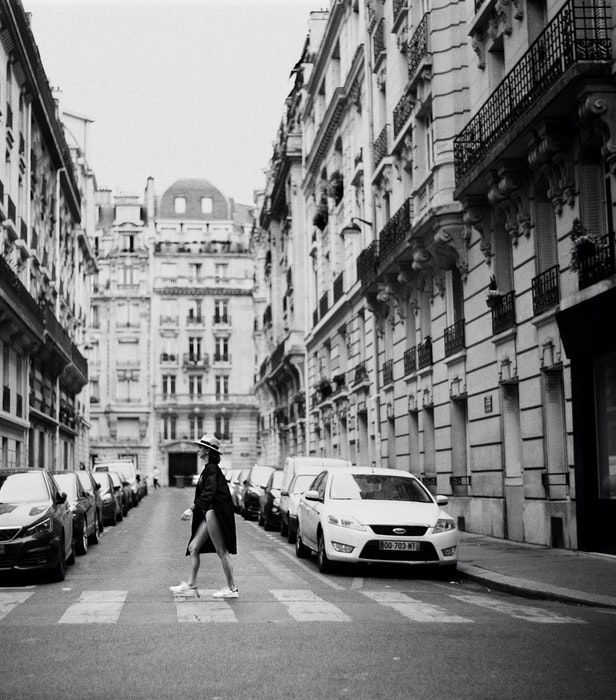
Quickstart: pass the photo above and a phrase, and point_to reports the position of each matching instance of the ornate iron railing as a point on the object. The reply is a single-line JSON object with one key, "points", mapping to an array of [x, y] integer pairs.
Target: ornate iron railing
{"points": [[418, 47], [10, 209], [55, 331], [578, 32], [388, 372], [395, 231], [424, 353], [367, 262], [410, 360], [361, 373], [380, 147], [402, 111], [378, 41], [79, 360], [315, 317], [545, 290], [12, 282], [398, 6], [454, 338], [277, 355], [597, 264], [503, 313], [478, 4], [323, 304], [338, 287], [267, 315]]}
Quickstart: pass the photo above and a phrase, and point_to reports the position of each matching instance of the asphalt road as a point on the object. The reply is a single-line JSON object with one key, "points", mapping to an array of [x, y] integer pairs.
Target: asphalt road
{"points": [[113, 629]]}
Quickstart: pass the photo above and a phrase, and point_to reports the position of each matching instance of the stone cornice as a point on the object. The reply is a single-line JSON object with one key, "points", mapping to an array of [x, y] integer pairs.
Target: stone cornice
{"points": [[201, 291]]}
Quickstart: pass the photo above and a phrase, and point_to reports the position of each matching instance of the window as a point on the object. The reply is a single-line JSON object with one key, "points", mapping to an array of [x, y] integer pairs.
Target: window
{"points": [[128, 429], [206, 205], [195, 385], [195, 270], [222, 350], [94, 391], [169, 427], [196, 427], [221, 311], [128, 352], [429, 140], [222, 426], [127, 389], [180, 205], [194, 348], [128, 275], [96, 317], [604, 369], [169, 384], [128, 243], [194, 310], [221, 272], [222, 386]]}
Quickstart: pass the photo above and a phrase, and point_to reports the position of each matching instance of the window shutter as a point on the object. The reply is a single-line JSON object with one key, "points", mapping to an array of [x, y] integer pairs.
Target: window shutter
{"points": [[545, 235], [592, 198]]}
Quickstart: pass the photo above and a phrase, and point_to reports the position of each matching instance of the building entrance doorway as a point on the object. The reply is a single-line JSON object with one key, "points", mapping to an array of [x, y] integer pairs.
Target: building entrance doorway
{"points": [[182, 466]]}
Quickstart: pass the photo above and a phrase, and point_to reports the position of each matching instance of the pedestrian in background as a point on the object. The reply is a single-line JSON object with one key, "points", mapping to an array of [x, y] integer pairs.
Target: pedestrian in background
{"points": [[155, 477], [213, 521]]}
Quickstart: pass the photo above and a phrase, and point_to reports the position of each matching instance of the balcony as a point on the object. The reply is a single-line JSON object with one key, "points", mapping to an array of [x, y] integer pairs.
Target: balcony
{"points": [[338, 287], [380, 147], [388, 372], [418, 49], [378, 42], [267, 316], [323, 304], [503, 313], [195, 360], [578, 33], [410, 360], [169, 320], [597, 262], [221, 320], [222, 357], [192, 320], [315, 317], [169, 358], [402, 112], [361, 374], [545, 290], [367, 263], [424, 353], [454, 338], [395, 231], [398, 7]]}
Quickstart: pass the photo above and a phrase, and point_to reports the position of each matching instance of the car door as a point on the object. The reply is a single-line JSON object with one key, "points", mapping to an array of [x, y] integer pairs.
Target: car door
{"points": [[87, 501], [311, 512], [63, 512]]}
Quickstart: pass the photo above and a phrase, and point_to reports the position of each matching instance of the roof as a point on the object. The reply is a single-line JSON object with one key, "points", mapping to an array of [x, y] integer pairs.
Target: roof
{"points": [[194, 191]]}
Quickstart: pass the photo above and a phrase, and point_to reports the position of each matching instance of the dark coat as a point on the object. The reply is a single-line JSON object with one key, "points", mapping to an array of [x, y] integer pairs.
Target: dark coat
{"points": [[212, 491]]}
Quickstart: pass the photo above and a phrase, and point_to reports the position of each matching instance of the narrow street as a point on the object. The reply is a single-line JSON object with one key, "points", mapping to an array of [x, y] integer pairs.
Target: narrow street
{"points": [[113, 629]]}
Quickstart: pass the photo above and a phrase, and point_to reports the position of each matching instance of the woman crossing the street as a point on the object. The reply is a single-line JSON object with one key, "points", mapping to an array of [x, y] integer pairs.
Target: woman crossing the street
{"points": [[213, 521]]}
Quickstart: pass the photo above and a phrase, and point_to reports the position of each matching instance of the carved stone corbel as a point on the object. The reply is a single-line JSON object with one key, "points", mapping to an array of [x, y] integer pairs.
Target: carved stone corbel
{"points": [[546, 155], [450, 246], [478, 44], [507, 192], [597, 113], [477, 216]]}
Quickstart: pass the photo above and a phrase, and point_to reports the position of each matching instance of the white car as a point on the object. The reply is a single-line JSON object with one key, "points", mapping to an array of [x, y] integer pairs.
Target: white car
{"points": [[361, 514]]}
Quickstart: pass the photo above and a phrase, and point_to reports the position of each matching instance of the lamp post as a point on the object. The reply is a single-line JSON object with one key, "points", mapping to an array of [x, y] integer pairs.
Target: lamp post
{"points": [[354, 227]]}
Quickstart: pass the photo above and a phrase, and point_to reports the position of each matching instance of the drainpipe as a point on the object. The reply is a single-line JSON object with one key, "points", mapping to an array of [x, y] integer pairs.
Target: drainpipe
{"points": [[59, 172]]}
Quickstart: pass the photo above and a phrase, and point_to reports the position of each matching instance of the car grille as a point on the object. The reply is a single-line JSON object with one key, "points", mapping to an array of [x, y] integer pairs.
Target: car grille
{"points": [[371, 551], [411, 530], [8, 533]]}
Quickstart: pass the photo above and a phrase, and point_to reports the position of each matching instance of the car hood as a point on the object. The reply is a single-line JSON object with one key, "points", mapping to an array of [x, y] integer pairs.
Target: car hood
{"points": [[22, 514], [389, 512]]}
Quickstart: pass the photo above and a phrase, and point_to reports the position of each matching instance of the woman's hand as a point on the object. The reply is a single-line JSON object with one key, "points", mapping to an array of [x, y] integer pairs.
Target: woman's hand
{"points": [[187, 514]]}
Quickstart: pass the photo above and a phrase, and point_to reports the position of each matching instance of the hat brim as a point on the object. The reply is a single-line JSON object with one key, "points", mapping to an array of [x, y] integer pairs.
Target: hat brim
{"points": [[206, 444]]}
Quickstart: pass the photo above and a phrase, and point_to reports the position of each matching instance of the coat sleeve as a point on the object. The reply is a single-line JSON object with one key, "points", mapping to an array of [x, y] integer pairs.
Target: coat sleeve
{"points": [[208, 490]]}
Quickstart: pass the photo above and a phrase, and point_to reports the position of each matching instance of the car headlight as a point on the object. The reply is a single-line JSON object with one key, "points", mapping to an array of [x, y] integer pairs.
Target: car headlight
{"points": [[345, 521], [276, 501], [107, 498], [444, 524], [42, 528], [254, 492]]}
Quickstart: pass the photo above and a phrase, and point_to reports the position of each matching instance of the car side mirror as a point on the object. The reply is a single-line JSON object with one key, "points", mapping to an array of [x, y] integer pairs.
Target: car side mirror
{"points": [[442, 500], [245, 482], [97, 487], [61, 497], [313, 496], [284, 493], [117, 488]]}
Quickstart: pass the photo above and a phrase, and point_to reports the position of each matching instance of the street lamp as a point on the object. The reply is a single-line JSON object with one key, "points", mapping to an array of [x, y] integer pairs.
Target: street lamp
{"points": [[354, 227]]}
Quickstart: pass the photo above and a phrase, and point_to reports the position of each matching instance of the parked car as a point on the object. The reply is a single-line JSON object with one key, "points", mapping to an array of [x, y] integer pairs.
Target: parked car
{"points": [[111, 495], [126, 469], [36, 524], [236, 488], [125, 490], [142, 485], [296, 465], [255, 483], [92, 487], [289, 498], [374, 515], [269, 502], [83, 508]]}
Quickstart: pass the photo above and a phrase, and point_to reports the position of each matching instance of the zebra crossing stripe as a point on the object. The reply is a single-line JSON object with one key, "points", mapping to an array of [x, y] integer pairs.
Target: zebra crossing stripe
{"points": [[521, 612], [279, 571], [95, 607], [11, 599], [306, 606], [414, 609], [203, 609]]}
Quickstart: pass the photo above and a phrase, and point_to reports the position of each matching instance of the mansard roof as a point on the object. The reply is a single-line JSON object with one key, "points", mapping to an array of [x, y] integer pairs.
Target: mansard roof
{"points": [[194, 191]]}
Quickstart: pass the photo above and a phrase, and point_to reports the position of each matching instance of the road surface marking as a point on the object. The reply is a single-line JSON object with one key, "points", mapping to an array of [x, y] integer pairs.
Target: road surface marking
{"points": [[358, 582], [11, 599], [203, 609], [95, 607], [413, 609], [310, 570], [306, 606], [279, 571], [522, 612]]}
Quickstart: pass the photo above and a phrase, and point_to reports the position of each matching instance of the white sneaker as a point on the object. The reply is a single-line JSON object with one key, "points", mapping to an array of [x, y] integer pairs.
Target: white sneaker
{"points": [[226, 592], [184, 589]]}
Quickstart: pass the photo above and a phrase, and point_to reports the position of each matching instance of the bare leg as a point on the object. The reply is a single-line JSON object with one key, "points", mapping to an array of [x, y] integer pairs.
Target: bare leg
{"points": [[195, 545], [221, 548]]}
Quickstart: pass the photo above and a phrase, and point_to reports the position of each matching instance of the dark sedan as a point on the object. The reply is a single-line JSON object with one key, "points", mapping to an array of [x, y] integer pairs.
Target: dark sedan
{"points": [[36, 524], [269, 503], [93, 488], [253, 487], [111, 497], [83, 508], [125, 490]]}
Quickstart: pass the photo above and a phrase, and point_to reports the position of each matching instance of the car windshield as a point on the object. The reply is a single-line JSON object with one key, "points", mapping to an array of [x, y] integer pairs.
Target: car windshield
{"points": [[302, 483], [23, 488], [115, 478], [66, 483], [102, 480], [377, 487], [259, 476], [277, 479], [84, 478]]}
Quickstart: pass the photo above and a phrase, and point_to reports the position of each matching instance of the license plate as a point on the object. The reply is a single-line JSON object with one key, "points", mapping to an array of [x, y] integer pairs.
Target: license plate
{"points": [[399, 546]]}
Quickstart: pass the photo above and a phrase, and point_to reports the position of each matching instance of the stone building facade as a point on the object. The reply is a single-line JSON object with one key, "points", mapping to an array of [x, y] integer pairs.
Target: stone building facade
{"points": [[45, 262]]}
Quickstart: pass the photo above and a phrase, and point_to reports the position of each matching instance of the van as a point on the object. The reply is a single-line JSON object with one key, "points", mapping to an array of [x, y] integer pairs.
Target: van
{"points": [[126, 469]]}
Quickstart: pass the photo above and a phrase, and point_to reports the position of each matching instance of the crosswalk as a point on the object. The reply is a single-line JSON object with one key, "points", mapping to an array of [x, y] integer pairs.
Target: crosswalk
{"points": [[292, 605]]}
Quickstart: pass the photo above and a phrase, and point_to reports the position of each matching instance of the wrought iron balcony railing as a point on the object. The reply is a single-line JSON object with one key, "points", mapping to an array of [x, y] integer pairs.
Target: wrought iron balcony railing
{"points": [[367, 262], [323, 304], [196, 360], [395, 231], [398, 6], [315, 317], [454, 338], [578, 32], [170, 357], [402, 112], [378, 41], [388, 372], [380, 148], [361, 373], [10, 209], [194, 320], [503, 313], [338, 287], [418, 48], [598, 263], [424, 353], [79, 360], [410, 360], [545, 290]]}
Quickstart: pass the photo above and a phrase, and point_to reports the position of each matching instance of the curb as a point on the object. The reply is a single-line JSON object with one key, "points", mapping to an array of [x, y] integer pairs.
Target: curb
{"points": [[533, 589]]}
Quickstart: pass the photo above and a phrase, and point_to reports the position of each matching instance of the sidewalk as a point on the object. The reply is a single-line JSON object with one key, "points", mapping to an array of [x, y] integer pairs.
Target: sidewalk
{"points": [[539, 572]]}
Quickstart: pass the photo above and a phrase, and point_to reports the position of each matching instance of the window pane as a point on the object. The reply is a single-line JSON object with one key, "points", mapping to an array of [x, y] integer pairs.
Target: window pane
{"points": [[180, 205], [605, 392]]}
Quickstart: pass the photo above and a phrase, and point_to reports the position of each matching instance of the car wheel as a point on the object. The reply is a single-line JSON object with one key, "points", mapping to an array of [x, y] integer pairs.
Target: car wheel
{"points": [[284, 528], [301, 551], [71, 557], [291, 534], [120, 516], [447, 572], [101, 524], [58, 573], [267, 525], [260, 521], [93, 539], [82, 542], [325, 565]]}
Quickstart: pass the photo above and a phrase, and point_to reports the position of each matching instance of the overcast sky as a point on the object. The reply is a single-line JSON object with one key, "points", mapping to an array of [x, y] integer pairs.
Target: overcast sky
{"points": [[176, 88]]}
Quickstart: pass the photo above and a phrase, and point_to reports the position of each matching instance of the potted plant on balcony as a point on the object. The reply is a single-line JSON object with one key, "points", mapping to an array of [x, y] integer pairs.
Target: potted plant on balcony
{"points": [[321, 216], [494, 294], [336, 186], [584, 244]]}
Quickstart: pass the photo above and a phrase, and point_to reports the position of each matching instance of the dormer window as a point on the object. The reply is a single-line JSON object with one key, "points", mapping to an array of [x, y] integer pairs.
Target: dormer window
{"points": [[180, 205], [206, 205]]}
